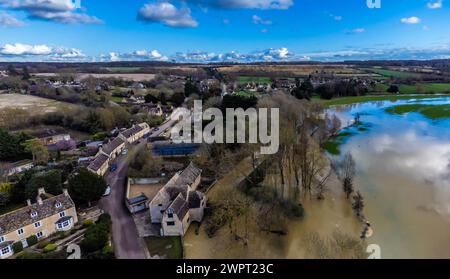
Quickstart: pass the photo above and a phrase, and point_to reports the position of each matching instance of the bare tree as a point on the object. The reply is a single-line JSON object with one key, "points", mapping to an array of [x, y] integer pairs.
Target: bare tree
{"points": [[347, 174]]}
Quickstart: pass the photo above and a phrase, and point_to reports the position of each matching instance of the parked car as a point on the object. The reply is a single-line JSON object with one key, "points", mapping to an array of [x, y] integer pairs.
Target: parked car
{"points": [[107, 191], [125, 151], [113, 168]]}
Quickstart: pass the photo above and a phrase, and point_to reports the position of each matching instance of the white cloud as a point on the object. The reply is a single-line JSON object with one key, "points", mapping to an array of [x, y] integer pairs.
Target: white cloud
{"points": [[43, 52], [138, 55], [258, 20], [61, 11], [356, 31], [167, 14], [411, 20], [245, 4], [435, 5], [9, 20]]}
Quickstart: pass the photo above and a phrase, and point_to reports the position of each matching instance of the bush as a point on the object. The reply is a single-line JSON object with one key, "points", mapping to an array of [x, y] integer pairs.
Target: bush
{"points": [[42, 244], [32, 240], [30, 256], [17, 247], [97, 235], [87, 223], [50, 248]]}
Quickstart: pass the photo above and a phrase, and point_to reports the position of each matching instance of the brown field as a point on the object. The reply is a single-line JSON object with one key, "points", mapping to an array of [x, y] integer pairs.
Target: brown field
{"points": [[32, 104], [296, 70]]}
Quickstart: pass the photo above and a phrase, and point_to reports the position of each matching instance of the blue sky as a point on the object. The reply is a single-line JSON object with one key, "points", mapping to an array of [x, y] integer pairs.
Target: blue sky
{"points": [[223, 30]]}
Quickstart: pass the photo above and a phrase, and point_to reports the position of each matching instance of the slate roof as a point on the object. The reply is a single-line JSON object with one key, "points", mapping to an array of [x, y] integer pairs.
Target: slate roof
{"points": [[195, 198], [22, 217], [112, 145], [98, 162], [132, 131], [180, 207]]}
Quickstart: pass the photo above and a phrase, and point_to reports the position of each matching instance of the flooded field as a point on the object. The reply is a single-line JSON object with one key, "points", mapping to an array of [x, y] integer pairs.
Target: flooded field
{"points": [[403, 172]]}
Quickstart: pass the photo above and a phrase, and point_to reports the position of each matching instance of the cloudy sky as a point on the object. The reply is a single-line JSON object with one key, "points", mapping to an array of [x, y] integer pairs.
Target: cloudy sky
{"points": [[222, 30]]}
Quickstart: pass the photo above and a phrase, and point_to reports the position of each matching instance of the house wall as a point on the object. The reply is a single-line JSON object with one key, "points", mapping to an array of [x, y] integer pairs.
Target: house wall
{"points": [[155, 211], [48, 227], [179, 228], [197, 213]]}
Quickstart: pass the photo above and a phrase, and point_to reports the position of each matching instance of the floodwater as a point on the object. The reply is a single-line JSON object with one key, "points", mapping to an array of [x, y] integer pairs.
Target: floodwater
{"points": [[403, 172]]}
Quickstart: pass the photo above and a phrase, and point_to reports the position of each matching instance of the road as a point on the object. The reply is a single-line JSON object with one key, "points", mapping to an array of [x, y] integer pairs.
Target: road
{"points": [[126, 240]]}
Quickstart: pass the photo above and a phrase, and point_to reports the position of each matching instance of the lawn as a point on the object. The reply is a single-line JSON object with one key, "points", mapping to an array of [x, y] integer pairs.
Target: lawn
{"points": [[394, 74], [425, 88], [246, 79], [169, 247], [369, 98], [430, 111]]}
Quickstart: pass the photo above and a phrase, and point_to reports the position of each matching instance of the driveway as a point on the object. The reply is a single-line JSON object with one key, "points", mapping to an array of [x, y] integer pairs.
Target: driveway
{"points": [[127, 243]]}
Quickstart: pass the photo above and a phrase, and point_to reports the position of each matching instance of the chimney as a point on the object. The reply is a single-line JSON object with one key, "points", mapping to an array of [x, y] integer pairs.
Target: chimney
{"points": [[41, 191], [28, 202], [65, 192]]}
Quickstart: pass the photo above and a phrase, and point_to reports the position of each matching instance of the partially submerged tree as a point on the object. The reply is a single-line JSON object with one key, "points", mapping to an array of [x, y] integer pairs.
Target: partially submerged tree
{"points": [[347, 173], [358, 205]]}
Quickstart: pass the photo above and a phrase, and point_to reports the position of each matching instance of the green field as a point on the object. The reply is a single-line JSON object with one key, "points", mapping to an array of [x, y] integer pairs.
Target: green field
{"points": [[394, 74], [332, 146], [246, 79], [169, 247], [369, 98], [425, 88], [430, 111]]}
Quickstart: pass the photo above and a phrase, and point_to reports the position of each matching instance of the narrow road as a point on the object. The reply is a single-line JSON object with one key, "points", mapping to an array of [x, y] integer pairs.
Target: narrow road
{"points": [[127, 242]]}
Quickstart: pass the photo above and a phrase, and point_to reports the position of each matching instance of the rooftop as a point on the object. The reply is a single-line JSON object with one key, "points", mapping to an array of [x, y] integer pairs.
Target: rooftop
{"points": [[22, 217], [112, 145], [98, 162]]}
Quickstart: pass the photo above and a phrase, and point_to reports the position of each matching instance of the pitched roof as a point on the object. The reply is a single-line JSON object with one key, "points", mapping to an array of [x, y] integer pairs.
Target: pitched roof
{"points": [[98, 162], [179, 206], [112, 145], [132, 131], [194, 199], [22, 217]]}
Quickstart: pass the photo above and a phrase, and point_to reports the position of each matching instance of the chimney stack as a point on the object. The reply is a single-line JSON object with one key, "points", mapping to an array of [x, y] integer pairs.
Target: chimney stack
{"points": [[65, 192], [28, 202], [41, 191]]}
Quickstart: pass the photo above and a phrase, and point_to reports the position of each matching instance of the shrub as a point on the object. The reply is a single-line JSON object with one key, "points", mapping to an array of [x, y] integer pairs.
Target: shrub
{"points": [[87, 223], [50, 248], [17, 247], [97, 235], [29, 256], [42, 244], [32, 240]]}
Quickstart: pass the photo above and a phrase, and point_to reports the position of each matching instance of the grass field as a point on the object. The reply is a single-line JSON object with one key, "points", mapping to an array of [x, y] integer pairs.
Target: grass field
{"points": [[332, 146], [32, 104], [394, 74], [169, 247], [369, 98], [246, 79], [430, 111]]}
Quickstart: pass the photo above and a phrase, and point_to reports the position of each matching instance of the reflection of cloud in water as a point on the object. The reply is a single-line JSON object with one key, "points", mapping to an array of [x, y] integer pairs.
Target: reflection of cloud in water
{"points": [[406, 150]]}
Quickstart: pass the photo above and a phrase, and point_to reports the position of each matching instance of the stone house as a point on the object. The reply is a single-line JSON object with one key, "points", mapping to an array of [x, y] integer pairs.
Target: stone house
{"points": [[48, 215], [178, 203], [135, 133]]}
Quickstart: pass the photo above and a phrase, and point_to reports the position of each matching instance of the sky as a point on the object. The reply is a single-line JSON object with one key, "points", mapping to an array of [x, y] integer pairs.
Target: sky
{"points": [[223, 30]]}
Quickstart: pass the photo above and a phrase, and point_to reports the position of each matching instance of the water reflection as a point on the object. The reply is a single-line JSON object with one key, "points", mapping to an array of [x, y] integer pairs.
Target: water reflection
{"points": [[404, 171]]}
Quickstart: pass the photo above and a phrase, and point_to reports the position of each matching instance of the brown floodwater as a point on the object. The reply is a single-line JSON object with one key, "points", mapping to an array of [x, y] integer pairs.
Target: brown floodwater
{"points": [[403, 172]]}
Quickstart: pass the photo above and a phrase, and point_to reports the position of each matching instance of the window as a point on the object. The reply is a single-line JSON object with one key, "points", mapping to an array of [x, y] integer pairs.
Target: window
{"points": [[160, 205], [170, 215], [170, 223], [37, 224], [5, 250], [58, 204], [2, 239], [40, 234], [62, 214], [34, 214], [64, 224], [20, 231]]}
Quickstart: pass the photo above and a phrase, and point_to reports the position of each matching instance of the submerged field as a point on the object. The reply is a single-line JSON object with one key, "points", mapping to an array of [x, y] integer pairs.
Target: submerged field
{"points": [[429, 111], [370, 98]]}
